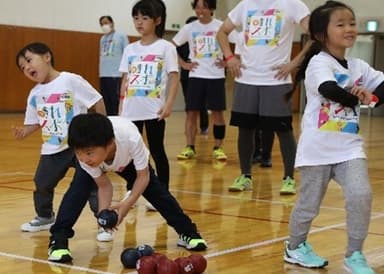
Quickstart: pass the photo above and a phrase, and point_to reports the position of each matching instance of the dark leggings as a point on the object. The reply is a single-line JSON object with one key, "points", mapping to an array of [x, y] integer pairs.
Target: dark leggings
{"points": [[155, 130], [83, 184], [246, 144]]}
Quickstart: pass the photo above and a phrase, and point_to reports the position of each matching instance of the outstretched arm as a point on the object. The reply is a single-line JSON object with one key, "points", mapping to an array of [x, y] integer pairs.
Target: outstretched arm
{"points": [[24, 131]]}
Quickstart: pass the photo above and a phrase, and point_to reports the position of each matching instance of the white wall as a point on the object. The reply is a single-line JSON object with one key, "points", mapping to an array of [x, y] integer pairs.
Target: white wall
{"points": [[83, 15]]}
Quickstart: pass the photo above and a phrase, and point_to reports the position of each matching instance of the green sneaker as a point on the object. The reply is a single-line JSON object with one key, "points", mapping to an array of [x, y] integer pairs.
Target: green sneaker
{"points": [[357, 264], [58, 251], [192, 242], [304, 256], [241, 183], [186, 153], [219, 154], [288, 186]]}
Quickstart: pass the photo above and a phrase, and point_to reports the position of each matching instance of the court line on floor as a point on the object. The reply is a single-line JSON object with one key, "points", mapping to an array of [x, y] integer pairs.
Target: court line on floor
{"points": [[275, 240], [272, 241], [72, 267]]}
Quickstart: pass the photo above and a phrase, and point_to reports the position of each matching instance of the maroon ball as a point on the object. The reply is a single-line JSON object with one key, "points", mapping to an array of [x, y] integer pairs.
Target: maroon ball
{"points": [[146, 265], [185, 265], [199, 263], [167, 266]]}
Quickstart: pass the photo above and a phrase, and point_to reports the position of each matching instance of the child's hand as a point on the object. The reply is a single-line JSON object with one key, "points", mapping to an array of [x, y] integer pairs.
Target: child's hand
{"points": [[283, 70], [190, 66], [18, 132], [220, 63], [164, 112], [365, 97], [122, 210], [234, 66]]}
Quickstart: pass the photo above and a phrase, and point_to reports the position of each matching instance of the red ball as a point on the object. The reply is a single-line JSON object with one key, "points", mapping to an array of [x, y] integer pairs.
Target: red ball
{"points": [[199, 263], [158, 256], [167, 266], [146, 265], [185, 265]]}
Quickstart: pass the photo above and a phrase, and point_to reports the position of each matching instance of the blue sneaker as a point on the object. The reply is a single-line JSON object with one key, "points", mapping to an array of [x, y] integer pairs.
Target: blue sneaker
{"points": [[357, 264], [304, 256]]}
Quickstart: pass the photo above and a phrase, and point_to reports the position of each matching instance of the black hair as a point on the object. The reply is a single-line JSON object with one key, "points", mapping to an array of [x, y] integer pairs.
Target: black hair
{"points": [[154, 9], [191, 19], [210, 4], [36, 48], [107, 17], [90, 130], [318, 26]]}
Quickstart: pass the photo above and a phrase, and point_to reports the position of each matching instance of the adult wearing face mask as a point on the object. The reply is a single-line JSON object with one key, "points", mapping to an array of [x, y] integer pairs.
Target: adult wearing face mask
{"points": [[112, 45]]}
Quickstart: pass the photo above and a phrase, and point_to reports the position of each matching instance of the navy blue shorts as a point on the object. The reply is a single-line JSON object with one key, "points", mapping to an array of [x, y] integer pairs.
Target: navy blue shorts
{"points": [[205, 94]]}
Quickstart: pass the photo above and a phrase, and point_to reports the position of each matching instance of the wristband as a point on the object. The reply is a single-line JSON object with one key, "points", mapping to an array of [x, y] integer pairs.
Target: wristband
{"points": [[122, 97], [374, 101], [226, 59]]}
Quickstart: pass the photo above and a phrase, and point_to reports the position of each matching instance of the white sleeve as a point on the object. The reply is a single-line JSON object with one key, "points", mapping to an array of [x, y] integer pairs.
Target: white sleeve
{"points": [[299, 10], [31, 117], [140, 154], [319, 70], [372, 78], [182, 36], [236, 14], [84, 92], [171, 61], [94, 172], [124, 61]]}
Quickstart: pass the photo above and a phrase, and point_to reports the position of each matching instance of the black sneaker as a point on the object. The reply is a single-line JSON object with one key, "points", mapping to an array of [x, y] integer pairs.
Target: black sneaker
{"points": [[256, 159], [266, 162], [58, 251], [192, 242]]}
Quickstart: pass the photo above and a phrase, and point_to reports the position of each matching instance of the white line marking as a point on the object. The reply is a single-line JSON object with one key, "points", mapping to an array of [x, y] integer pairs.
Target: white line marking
{"points": [[74, 267]]}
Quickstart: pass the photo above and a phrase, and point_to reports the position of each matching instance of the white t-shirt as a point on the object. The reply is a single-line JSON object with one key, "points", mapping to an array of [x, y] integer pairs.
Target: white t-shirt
{"points": [[267, 29], [147, 68], [330, 131], [203, 47], [129, 147], [54, 104]]}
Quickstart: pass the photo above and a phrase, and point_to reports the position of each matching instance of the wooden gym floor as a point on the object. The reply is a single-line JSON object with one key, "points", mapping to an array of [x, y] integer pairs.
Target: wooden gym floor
{"points": [[245, 231]]}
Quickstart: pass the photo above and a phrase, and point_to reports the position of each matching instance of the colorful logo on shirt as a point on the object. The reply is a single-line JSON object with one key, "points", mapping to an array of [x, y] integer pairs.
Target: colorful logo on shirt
{"points": [[107, 45], [55, 112], [144, 76], [336, 117], [205, 45], [263, 27]]}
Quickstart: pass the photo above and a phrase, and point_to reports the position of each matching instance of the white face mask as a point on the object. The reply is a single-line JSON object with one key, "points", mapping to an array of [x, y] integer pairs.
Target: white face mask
{"points": [[106, 28]]}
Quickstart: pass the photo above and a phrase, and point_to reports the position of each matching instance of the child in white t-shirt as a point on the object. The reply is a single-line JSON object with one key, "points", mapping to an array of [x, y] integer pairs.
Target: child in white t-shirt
{"points": [[150, 81], [330, 147], [52, 103], [206, 83], [114, 144]]}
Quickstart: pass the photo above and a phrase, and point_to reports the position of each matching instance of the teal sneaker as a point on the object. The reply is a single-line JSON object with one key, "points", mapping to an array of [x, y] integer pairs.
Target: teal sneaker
{"points": [[288, 186], [304, 256], [357, 264], [241, 183]]}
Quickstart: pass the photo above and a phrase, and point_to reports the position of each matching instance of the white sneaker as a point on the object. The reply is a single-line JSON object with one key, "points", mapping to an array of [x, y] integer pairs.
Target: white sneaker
{"points": [[104, 235], [150, 207], [38, 224]]}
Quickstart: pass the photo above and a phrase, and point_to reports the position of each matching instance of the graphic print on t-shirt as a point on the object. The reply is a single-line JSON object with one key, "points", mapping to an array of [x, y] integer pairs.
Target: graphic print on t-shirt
{"points": [[144, 76], [205, 45], [55, 113], [336, 117], [263, 27], [107, 45]]}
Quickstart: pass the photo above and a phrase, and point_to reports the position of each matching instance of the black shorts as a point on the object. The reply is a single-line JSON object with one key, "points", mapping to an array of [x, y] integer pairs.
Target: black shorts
{"points": [[206, 94]]}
